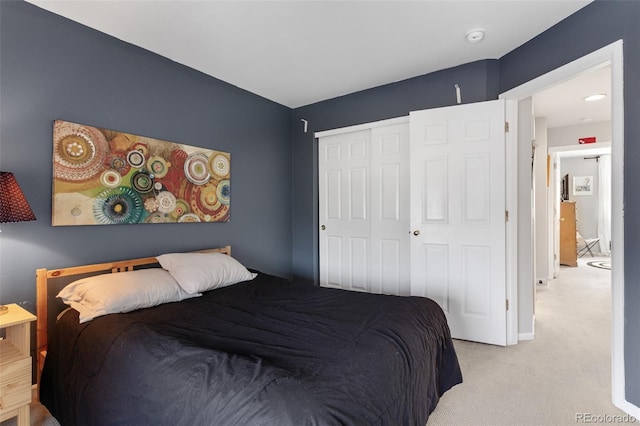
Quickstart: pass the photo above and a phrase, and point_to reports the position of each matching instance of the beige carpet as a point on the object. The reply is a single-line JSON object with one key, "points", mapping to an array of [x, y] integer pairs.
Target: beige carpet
{"points": [[563, 374]]}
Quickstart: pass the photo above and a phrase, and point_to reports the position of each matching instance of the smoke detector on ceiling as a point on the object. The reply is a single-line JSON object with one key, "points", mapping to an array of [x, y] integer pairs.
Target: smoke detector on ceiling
{"points": [[475, 36]]}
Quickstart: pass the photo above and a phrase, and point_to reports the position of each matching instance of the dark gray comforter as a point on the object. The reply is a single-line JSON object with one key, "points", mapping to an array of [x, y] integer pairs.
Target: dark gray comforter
{"points": [[264, 352]]}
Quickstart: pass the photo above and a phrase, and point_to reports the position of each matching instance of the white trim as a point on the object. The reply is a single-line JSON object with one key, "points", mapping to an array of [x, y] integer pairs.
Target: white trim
{"points": [[526, 336], [598, 59], [591, 149], [629, 408], [613, 55], [511, 204], [617, 228], [365, 126], [529, 336]]}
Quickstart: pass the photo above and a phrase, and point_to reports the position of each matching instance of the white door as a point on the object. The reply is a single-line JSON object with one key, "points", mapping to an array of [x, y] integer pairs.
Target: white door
{"points": [[364, 210], [458, 216], [390, 210], [344, 191]]}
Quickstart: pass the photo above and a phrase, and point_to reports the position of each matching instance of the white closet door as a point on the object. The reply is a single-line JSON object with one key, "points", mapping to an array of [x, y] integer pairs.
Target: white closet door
{"points": [[363, 210], [344, 191], [458, 216], [390, 210], [431, 223]]}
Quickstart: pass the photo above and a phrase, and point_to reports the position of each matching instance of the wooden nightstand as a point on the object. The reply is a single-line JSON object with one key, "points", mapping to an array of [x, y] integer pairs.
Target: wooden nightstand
{"points": [[15, 365]]}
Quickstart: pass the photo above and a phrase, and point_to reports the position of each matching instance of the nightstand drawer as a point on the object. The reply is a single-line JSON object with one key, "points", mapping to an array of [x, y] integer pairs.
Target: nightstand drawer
{"points": [[15, 384]]}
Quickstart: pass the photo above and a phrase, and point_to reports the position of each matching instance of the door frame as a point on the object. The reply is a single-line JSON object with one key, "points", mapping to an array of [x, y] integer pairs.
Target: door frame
{"points": [[613, 55], [557, 154]]}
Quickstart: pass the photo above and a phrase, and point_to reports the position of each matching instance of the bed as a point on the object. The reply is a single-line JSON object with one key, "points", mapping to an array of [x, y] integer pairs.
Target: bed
{"points": [[262, 351]]}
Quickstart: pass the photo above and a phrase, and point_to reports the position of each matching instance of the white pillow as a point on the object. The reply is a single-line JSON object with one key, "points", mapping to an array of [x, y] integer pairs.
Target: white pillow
{"points": [[196, 272], [121, 292]]}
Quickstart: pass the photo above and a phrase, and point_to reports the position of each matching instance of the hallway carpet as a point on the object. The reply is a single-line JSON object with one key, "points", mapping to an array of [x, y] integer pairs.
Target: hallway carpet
{"points": [[562, 377]]}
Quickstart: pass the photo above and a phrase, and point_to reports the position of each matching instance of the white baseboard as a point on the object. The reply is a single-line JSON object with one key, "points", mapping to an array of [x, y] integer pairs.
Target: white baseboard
{"points": [[629, 408], [526, 336], [531, 335]]}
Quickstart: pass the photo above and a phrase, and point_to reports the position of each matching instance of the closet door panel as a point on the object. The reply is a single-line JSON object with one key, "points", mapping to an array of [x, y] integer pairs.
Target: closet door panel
{"points": [[435, 189], [363, 206], [358, 264], [390, 209], [344, 192], [458, 216], [334, 258], [434, 281]]}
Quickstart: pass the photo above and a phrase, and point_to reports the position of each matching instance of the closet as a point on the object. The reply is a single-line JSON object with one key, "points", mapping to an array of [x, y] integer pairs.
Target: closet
{"points": [[364, 208], [416, 206]]}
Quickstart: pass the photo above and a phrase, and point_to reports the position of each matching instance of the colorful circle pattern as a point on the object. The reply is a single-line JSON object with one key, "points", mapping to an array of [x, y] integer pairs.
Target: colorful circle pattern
{"points": [[117, 160], [158, 166], [118, 206], [111, 178], [220, 165], [142, 182], [223, 192], [79, 152], [166, 202], [196, 169], [205, 203], [135, 159]]}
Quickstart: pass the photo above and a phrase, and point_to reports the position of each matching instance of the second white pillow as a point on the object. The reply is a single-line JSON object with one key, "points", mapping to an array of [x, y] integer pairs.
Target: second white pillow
{"points": [[197, 272]]}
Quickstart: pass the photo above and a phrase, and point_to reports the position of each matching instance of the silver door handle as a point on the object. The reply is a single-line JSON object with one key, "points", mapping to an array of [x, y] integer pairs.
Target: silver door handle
{"points": [[416, 232]]}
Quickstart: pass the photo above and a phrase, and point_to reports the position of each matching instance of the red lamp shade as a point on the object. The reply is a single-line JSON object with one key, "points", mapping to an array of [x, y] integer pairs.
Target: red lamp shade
{"points": [[13, 205]]}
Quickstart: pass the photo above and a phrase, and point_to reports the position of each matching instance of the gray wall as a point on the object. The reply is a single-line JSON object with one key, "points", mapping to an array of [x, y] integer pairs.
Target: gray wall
{"points": [[52, 68]]}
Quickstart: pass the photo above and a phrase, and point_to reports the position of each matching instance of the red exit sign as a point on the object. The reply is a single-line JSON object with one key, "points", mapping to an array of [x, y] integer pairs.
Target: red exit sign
{"points": [[590, 139]]}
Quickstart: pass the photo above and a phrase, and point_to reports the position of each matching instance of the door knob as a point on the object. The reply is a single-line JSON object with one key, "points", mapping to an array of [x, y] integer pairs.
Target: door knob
{"points": [[323, 227], [416, 232]]}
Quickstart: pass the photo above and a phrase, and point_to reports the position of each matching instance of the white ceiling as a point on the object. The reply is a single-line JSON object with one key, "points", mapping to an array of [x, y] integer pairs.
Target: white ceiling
{"points": [[564, 104], [301, 52]]}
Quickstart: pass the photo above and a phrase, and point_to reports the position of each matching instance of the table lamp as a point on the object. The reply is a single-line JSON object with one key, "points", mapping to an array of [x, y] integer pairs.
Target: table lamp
{"points": [[13, 206]]}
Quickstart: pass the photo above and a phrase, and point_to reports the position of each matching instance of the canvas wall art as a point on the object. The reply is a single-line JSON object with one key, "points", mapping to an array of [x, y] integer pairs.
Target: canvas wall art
{"points": [[108, 177]]}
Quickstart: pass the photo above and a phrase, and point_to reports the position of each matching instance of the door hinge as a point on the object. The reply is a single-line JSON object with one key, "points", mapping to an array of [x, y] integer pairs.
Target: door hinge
{"points": [[507, 304], [506, 127], [506, 215]]}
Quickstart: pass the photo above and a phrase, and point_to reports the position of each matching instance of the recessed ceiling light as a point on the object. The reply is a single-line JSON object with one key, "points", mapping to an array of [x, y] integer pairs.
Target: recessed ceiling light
{"points": [[475, 36], [595, 97]]}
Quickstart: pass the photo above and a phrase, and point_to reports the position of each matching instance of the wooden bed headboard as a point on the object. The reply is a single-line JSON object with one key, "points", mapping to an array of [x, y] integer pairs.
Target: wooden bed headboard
{"points": [[58, 278]]}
